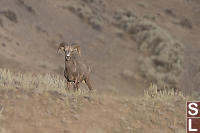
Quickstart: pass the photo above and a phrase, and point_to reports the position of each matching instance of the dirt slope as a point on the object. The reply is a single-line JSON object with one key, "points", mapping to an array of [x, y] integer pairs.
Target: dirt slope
{"points": [[30, 32], [29, 112], [39, 103]]}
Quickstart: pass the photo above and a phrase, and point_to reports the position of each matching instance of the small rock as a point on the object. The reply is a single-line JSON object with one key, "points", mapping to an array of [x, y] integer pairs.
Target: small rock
{"points": [[76, 116]]}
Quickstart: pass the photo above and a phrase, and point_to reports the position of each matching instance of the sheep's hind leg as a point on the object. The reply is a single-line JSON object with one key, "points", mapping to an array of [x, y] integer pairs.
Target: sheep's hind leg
{"points": [[87, 81]]}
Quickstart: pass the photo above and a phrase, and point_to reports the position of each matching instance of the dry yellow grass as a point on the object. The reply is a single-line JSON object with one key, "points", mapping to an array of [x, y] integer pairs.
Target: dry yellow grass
{"points": [[46, 83], [163, 110], [153, 92], [30, 81]]}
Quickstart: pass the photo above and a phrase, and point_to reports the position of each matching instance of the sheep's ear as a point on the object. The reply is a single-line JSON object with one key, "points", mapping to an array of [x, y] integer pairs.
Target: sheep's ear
{"points": [[76, 47], [61, 47]]}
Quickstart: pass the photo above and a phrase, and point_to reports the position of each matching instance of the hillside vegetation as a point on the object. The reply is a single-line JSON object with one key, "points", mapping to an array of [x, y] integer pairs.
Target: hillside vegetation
{"points": [[38, 103], [144, 60], [128, 44]]}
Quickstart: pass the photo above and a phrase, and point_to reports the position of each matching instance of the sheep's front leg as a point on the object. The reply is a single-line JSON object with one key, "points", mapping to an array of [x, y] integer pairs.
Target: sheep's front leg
{"points": [[68, 87], [76, 85]]}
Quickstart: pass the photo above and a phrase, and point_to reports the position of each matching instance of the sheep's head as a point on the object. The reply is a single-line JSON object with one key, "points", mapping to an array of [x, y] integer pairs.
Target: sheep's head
{"points": [[69, 49]]}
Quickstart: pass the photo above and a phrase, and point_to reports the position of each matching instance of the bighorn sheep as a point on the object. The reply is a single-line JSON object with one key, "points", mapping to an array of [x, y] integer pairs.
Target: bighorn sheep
{"points": [[75, 70]]}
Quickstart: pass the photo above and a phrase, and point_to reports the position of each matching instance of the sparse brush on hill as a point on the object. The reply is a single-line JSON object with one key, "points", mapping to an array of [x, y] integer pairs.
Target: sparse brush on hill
{"points": [[161, 55], [29, 81], [35, 83], [9, 14], [89, 10], [161, 109], [154, 93], [26, 6], [41, 83]]}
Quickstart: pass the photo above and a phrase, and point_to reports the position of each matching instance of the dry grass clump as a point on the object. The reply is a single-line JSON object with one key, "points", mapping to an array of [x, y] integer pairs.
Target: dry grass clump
{"points": [[167, 107], [90, 10], [154, 93], [36, 83], [161, 60], [54, 85], [29, 81], [159, 109], [47, 84]]}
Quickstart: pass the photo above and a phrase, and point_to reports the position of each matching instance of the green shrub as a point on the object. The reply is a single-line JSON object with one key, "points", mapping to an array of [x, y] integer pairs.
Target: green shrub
{"points": [[161, 55]]}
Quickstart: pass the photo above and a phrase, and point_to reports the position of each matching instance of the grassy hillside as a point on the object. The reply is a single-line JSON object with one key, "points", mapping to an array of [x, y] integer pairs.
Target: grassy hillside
{"points": [[38, 103], [128, 44]]}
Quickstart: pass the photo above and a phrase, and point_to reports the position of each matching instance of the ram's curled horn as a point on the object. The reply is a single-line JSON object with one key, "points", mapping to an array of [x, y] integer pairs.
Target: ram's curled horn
{"points": [[77, 47], [61, 47]]}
